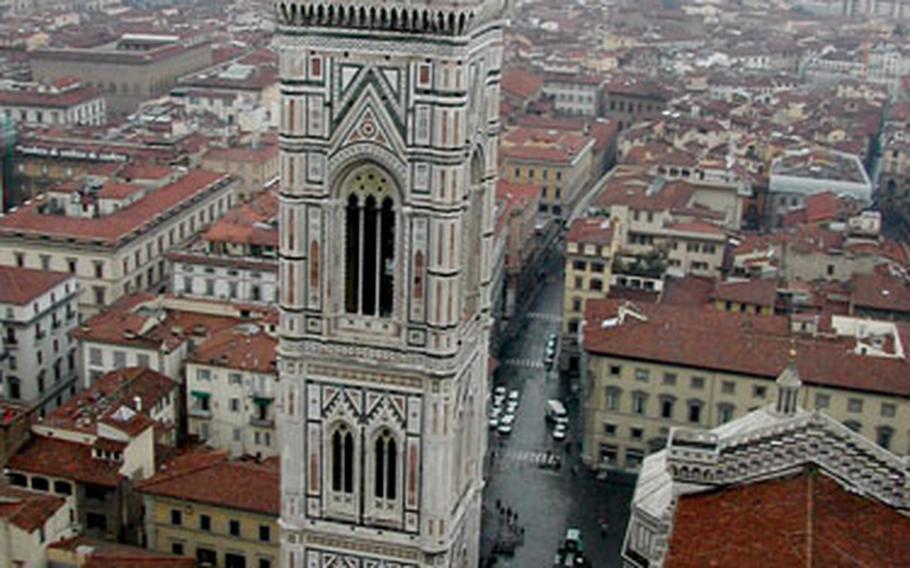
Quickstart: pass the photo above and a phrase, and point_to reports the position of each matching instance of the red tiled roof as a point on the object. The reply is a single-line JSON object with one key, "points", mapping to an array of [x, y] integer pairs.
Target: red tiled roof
{"points": [[248, 224], [214, 480], [20, 286], [121, 324], [263, 153], [104, 554], [116, 227], [107, 394], [880, 291], [754, 292], [521, 84], [757, 346], [537, 144], [239, 348], [807, 519], [27, 510], [690, 291], [591, 230], [65, 459], [49, 99]]}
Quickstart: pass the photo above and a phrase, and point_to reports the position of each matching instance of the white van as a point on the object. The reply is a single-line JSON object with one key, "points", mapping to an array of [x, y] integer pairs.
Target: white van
{"points": [[556, 412]]}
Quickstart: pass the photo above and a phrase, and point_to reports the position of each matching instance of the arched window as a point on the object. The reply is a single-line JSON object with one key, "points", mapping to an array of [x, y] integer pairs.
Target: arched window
{"points": [[343, 460], [385, 462], [369, 243]]}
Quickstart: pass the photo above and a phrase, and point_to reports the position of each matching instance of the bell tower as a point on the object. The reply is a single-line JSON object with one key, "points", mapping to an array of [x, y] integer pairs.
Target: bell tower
{"points": [[389, 126]]}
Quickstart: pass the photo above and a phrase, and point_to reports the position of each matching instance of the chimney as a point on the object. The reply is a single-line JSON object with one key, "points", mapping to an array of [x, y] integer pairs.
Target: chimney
{"points": [[137, 403]]}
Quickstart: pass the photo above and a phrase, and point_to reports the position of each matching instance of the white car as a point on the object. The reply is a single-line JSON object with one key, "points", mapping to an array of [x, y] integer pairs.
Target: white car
{"points": [[498, 400], [512, 406], [513, 395], [505, 429], [494, 422], [508, 418], [500, 391], [560, 431]]}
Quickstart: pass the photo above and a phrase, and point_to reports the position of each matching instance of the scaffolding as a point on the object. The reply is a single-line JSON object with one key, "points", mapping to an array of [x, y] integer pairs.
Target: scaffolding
{"points": [[7, 147]]}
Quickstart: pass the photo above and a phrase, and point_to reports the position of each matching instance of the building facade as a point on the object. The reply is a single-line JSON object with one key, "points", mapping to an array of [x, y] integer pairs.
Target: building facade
{"points": [[37, 313], [388, 158], [650, 368], [196, 509], [112, 234]]}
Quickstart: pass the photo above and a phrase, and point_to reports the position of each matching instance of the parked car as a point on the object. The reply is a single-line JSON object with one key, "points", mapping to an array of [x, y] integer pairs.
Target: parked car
{"points": [[513, 395], [500, 391], [560, 431], [494, 422], [505, 428]]}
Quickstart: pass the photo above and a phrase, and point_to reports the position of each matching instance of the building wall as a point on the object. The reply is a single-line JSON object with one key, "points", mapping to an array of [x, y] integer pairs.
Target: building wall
{"points": [[240, 284], [91, 113], [187, 538], [232, 421], [41, 354], [29, 548], [105, 273], [636, 434], [560, 183], [125, 84], [254, 174], [588, 273], [97, 358]]}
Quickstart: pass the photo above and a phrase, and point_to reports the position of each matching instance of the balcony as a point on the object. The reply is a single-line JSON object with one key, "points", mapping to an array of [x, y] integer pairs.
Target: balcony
{"points": [[262, 422], [200, 413]]}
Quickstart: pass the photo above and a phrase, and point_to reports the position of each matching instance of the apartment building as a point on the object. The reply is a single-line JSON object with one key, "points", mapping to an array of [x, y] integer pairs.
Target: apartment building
{"points": [[800, 173], [94, 447], [629, 100], [663, 219], [231, 385], [112, 233], [235, 259], [574, 93], [255, 165], [154, 332], [128, 70], [38, 312], [650, 367], [66, 101], [29, 522], [591, 246], [559, 162], [221, 512], [517, 226]]}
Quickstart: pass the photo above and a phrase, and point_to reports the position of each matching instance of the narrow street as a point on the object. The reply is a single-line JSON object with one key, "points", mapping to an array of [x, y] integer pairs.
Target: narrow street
{"points": [[547, 501]]}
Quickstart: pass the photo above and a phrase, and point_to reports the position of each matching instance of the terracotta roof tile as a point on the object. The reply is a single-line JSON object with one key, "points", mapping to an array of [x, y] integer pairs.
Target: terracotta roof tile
{"points": [[591, 230], [65, 459], [753, 346], [807, 519], [25, 509], [245, 347], [104, 554], [215, 480], [113, 228], [755, 292], [20, 286]]}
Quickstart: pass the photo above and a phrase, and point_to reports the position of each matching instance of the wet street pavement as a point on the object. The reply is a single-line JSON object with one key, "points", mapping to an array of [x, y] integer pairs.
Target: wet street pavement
{"points": [[546, 501]]}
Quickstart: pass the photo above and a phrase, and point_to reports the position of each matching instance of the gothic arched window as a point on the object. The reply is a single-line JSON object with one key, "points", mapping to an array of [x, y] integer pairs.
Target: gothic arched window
{"points": [[385, 462], [369, 243], [343, 460]]}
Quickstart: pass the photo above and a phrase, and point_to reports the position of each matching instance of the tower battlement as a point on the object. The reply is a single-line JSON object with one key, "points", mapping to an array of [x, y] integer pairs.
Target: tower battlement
{"points": [[450, 18]]}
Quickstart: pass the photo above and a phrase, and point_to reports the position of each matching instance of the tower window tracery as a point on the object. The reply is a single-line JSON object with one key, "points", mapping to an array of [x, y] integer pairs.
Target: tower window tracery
{"points": [[342, 460], [369, 243], [385, 462]]}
